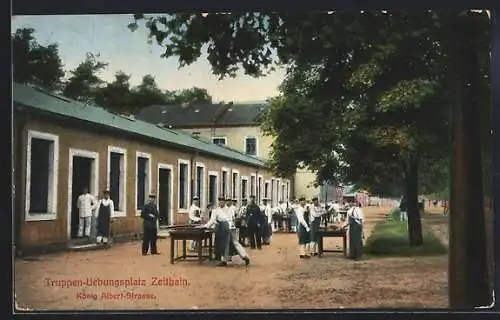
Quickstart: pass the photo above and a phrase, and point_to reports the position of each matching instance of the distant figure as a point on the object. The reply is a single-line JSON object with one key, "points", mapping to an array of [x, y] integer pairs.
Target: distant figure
{"points": [[303, 228], [194, 217], [256, 220], [149, 217], [105, 210], [86, 204], [355, 220], [267, 232]]}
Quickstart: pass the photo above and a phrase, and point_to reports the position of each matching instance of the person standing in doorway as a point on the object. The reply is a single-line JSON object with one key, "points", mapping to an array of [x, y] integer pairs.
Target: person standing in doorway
{"points": [[255, 222], [86, 204], [105, 211], [149, 216]]}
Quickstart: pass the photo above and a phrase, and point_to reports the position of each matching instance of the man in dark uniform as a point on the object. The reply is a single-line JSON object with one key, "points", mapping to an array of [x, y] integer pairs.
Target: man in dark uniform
{"points": [[255, 222], [149, 216]]}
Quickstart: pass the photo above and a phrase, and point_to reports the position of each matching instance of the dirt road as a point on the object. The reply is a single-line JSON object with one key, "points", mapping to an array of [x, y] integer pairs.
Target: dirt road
{"points": [[276, 278]]}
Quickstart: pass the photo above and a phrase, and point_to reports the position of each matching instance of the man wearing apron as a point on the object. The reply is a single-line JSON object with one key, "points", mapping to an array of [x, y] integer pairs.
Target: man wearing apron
{"points": [[316, 213], [303, 228], [104, 212], [226, 243], [355, 219], [194, 218]]}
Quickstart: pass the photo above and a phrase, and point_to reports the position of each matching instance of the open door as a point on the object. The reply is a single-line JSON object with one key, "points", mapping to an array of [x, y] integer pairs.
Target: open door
{"points": [[164, 195], [81, 179]]}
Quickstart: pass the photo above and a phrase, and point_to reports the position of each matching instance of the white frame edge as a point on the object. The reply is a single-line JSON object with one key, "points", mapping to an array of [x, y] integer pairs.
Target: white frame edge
{"points": [[139, 154], [123, 187], [52, 195], [188, 189]]}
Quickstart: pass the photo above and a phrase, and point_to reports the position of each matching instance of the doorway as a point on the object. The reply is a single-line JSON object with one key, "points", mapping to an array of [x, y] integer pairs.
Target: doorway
{"points": [[82, 174], [212, 189], [165, 181]]}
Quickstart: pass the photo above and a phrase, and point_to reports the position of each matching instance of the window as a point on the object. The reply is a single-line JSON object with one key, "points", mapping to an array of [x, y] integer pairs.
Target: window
{"points": [[266, 189], [244, 186], [225, 183], [41, 176], [287, 190], [143, 179], [220, 141], [200, 183], [183, 184], [251, 146], [282, 192], [117, 175], [212, 187], [252, 185], [234, 184]]}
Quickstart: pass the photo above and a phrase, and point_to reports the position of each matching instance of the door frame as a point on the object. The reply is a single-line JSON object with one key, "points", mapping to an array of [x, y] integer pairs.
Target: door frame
{"points": [[94, 178], [171, 168]]}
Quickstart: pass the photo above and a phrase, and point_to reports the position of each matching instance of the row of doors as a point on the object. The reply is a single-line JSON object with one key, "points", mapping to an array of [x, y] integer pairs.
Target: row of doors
{"points": [[83, 175]]}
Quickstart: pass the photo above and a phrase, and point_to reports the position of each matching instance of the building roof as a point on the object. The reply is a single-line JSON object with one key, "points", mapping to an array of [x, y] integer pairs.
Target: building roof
{"points": [[202, 115], [38, 99]]}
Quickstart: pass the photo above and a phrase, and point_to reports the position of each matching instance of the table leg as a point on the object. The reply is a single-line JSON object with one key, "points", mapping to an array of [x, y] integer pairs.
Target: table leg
{"points": [[320, 246], [210, 248], [184, 250], [199, 246], [344, 239], [172, 241]]}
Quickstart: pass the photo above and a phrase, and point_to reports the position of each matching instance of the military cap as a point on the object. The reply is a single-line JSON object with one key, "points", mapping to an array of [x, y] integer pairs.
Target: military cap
{"points": [[196, 198]]}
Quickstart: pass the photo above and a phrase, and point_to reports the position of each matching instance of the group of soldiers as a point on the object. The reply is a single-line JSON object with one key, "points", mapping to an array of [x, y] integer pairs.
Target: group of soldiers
{"points": [[252, 225]]}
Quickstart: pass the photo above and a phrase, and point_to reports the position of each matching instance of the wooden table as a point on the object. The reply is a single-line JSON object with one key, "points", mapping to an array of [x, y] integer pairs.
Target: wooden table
{"points": [[332, 233], [184, 234]]}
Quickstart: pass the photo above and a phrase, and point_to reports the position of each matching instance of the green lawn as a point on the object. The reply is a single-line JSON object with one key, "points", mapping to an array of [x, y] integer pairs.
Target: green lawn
{"points": [[390, 238]]}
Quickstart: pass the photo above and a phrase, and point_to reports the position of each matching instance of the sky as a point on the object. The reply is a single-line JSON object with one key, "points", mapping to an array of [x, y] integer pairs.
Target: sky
{"points": [[128, 51]]}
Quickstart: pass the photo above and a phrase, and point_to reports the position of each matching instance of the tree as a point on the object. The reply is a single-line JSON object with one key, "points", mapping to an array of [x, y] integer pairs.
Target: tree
{"points": [[116, 95], [382, 68], [84, 83], [147, 93], [190, 96], [36, 64]]}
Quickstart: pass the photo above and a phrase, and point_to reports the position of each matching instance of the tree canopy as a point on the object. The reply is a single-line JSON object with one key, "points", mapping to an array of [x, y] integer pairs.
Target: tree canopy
{"points": [[42, 66], [34, 63]]}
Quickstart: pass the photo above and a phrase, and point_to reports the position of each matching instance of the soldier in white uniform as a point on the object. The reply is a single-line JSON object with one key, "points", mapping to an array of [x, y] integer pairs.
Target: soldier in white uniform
{"points": [[226, 240], [316, 211], [86, 203], [267, 229], [194, 217], [303, 228]]}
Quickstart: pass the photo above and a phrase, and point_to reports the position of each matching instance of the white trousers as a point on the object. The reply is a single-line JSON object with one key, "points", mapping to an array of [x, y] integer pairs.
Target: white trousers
{"points": [[237, 245], [403, 216], [101, 239], [85, 223], [312, 247], [304, 250]]}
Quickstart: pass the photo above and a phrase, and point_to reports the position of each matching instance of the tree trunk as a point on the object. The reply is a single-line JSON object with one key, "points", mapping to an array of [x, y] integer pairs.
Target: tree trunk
{"points": [[468, 273], [411, 190]]}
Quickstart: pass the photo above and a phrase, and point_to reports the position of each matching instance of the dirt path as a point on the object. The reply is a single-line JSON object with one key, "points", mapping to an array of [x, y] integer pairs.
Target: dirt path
{"points": [[275, 279]]}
